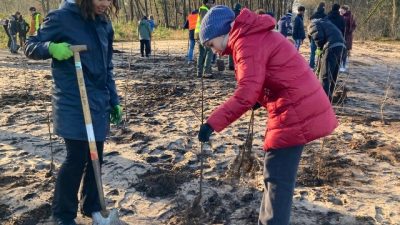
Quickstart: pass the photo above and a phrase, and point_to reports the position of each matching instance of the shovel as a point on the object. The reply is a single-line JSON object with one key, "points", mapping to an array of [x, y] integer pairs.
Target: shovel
{"points": [[109, 217]]}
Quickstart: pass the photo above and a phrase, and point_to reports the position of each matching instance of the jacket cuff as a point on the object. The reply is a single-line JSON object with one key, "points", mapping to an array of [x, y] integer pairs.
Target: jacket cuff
{"points": [[214, 124], [46, 52], [114, 102]]}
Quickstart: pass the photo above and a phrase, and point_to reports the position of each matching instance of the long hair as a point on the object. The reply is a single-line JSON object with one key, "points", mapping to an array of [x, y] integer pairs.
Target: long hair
{"points": [[87, 8]]}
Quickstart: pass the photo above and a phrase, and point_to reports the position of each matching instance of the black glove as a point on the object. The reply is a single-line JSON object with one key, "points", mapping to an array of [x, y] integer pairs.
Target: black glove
{"points": [[205, 132], [256, 106]]}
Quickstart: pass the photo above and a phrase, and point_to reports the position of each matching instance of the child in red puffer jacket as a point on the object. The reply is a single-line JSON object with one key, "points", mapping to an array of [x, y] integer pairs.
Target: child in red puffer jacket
{"points": [[272, 74]]}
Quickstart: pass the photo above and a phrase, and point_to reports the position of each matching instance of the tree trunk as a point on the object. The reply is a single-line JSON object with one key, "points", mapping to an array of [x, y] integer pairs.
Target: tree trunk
{"points": [[132, 11], [43, 6], [395, 19], [146, 9], [125, 11], [47, 6], [166, 14], [156, 9], [185, 13], [176, 14]]}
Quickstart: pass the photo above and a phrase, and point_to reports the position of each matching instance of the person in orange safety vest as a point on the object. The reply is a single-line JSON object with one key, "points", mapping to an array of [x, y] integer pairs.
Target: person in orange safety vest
{"points": [[191, 25]]}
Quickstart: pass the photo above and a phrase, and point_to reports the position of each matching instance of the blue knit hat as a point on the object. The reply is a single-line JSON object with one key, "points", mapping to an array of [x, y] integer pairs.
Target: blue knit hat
{"points": [[216, 22]]}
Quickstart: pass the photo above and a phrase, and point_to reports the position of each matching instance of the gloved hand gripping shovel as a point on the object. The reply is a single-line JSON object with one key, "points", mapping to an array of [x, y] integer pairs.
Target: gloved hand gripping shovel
{"points": [[110, 217]]}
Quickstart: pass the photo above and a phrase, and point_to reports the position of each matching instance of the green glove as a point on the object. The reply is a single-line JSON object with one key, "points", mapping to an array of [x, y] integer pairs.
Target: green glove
{"points": [[60, 51], [318, 52], [116, 115]]}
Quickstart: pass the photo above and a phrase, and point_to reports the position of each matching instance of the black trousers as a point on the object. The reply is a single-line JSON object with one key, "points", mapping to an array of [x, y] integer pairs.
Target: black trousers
{"points": [[77, 164], [22, 40], [330, 68], [145, 44]]}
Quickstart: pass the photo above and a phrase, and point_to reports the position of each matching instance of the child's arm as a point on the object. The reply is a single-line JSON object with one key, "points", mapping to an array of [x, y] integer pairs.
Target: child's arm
{"points": [[250, 78], [37, 47]]}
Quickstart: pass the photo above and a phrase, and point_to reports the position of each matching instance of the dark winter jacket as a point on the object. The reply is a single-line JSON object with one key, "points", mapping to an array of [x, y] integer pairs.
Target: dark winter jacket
{"points": [[285, 25], [67, 25], [337, 19], [325, 34], [23, 27], [237, 9], [350, 27], [13, 25], [5, 26], [298, 28], [319, 14]]}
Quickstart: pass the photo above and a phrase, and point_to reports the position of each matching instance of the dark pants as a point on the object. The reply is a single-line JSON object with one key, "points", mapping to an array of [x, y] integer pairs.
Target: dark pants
{"points": [[330, 68], [344, 58], [145, 44], [231, 62], [14, 45], [76, 164], [280, 171], [313, 48], [214, 58], [190, 53], [204, 60], [22, 40]]}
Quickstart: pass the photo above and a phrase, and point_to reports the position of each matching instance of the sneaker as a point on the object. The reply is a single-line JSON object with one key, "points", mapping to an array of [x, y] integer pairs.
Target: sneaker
{"points": [[342, 69], [190, 62], [59, 221], [231, 68], [208, 75], [98, 219]]}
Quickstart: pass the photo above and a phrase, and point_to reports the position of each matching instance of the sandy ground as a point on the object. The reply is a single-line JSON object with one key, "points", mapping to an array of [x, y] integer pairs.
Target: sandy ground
{"points": [[151, 170]]}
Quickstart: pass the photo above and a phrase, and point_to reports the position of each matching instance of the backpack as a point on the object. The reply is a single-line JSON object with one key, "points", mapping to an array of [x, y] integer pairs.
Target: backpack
{"points": [[289, 27]]}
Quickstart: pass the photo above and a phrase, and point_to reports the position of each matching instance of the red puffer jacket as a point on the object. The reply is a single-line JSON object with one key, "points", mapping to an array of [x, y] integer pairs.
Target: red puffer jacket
{"points": [[271, 71]]}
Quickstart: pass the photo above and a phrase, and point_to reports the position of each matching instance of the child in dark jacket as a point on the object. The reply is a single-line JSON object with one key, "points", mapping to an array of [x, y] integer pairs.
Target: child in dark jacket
{"points": [[335, 18], [23, 28], [288, 89], [319, 14], [298, 28], [330, 42], [285, 24], [82, 23], [13, 32]]}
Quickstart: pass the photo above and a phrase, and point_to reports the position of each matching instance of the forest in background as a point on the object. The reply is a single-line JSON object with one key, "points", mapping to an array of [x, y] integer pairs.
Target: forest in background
{"points": [[377, 19]]}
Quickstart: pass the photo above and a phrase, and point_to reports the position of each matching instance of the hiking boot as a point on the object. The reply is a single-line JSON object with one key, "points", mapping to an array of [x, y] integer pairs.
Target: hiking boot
{"points": [[59, 221]]}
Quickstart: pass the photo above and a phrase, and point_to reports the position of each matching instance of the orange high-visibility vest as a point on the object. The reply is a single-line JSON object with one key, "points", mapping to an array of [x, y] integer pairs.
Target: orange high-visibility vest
{"points": [[36, 21], [192, 18]]}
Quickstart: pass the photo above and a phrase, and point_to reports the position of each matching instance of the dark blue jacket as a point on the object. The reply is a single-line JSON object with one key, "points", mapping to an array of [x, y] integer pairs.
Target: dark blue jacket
{"points": [[285, 25], [319, 14], [13, 25], [325, 33], [67, 25], [337, 19], [298, 28]]}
